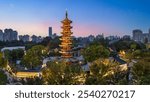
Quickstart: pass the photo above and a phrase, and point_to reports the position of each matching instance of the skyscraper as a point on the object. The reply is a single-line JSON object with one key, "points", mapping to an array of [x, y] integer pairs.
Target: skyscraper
{"points": [[1, 35], [10, 35], [66, 38], [139, 36], [50, 32]]}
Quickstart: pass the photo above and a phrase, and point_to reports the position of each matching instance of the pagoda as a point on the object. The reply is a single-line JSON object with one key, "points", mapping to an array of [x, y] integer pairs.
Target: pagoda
{"points": [[66, 38]]}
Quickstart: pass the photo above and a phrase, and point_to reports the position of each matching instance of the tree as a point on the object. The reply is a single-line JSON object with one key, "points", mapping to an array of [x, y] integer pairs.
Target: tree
{"points": [[17, 54], [61, 73], [105, 72], [7, 54], [51, 43], [3, 78], [3, 62], [137, 54], [127, 45], [33, 56], [133, 46], [14, 55], [141, 72], [121, 45], [94, 52]]}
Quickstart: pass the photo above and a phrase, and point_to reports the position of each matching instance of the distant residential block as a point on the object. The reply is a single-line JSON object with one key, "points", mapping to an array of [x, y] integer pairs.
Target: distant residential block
{"points": [[139, 36], [24, 38], [1, 35], [36, 39], [10, 35]]}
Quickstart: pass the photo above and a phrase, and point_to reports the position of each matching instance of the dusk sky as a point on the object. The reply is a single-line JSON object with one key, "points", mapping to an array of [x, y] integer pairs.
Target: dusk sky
{"points": [[111, 17]]}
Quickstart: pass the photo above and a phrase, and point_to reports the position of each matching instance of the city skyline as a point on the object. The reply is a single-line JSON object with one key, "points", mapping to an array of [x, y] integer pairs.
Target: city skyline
{"points": [[111, 17]]}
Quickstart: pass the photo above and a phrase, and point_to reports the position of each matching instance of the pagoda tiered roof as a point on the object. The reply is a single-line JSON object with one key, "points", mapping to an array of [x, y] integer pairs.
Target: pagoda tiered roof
{"points": [[66, 38]]}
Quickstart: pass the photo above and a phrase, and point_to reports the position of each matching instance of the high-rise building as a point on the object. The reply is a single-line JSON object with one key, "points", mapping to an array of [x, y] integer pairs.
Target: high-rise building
{"points": [[1, 35], [139, 36], [36, 39], [14, 35], [50, 32], [66, 38], [126, 37], [24, 38], [10, 35]]}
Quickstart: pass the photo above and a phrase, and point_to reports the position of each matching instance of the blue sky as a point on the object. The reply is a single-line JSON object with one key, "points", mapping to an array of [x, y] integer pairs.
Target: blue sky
{"points": [[117, 17]]}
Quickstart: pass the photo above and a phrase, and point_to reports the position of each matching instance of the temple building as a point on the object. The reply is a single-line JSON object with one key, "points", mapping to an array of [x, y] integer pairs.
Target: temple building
{"points": [[66, 38]]}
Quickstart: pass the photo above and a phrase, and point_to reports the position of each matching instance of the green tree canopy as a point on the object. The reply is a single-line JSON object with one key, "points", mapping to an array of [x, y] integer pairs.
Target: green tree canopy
{"points": [[105, 72], [3, 62], [61, 73], [14, 55], [127, 45], [34, 56], [94, 52], [141, 72], [3, 78], [133, 46], [7, 54], [17, 54]]}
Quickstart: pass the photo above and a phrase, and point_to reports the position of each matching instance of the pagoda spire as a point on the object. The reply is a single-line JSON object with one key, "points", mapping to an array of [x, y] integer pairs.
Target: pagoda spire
{"points": [[66, 14]]}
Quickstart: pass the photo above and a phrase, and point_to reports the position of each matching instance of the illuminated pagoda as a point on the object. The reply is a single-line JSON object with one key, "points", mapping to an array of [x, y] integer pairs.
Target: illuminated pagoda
{"points": [[66, 38]]}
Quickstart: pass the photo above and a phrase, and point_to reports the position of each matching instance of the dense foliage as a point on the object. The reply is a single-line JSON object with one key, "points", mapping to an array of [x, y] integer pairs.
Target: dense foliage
{"points": [[104, 72], [14, 55], [141, 70], [95, 51], [3, 62], [61, 73], [33, 57], [3, 78], [126, 45]]}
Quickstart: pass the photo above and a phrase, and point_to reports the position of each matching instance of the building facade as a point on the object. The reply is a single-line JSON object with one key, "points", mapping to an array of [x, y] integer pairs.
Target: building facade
{"points": [[10, 35], [50, 32], [24, 38], [1, 35], [36, 39], [139, 36]]}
